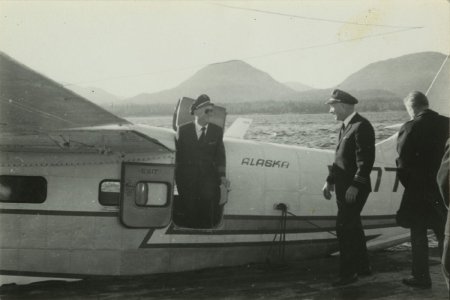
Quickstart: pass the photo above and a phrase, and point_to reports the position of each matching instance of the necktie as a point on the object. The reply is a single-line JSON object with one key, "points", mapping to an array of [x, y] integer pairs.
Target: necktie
{"points": [[202, 136], [342, 131]]}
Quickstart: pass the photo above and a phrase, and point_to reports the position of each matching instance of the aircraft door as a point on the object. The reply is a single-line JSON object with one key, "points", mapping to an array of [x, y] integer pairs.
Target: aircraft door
{"points": [[146, 194], [182, 214], [182, 114]]}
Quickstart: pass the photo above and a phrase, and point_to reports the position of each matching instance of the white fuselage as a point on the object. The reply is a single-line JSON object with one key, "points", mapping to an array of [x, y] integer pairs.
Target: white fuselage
{"points": [[71, 234]]}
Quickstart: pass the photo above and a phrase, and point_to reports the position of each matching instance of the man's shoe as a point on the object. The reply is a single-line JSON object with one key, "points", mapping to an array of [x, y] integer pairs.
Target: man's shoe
{"points": [[417, 283], [365, 272], [345, 280]]}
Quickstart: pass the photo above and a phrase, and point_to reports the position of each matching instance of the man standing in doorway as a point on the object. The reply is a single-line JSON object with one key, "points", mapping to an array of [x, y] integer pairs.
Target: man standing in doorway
{"points": [[350, 177], [200, 167], [420, 146]]}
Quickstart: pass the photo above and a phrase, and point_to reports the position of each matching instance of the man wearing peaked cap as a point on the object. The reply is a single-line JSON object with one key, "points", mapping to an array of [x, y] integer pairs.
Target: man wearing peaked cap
{"points": [[339, 96], [201, 101], [349, 178], [200, 168]]}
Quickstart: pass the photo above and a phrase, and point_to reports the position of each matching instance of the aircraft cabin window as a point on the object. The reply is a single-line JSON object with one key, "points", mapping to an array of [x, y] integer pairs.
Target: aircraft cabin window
{"points": [[23, 189], [109, 193], [151, 194]]}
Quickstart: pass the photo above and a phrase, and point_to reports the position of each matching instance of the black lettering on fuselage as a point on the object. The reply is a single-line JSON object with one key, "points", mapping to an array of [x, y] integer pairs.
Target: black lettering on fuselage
{"points": [[245, 161], [260, 162], [379, 172], [268, 163]]}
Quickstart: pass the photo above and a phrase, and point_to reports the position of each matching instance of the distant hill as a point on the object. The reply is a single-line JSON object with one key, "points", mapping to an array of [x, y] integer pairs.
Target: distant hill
{"points": [[227, 82], [95, 94], [243, 89], [398, 75], [297, 86]]}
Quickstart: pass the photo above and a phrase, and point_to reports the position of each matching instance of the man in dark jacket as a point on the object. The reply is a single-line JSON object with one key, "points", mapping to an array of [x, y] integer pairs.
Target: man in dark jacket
{"points": [[350, 177], [443, 183], [200, 167], [420, 147]]}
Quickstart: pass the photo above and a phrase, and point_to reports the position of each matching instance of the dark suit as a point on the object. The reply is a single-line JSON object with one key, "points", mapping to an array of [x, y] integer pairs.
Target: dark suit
{"points": [[443, 183], [355, 155], [199, 166], [420, 146], [443, 175]]}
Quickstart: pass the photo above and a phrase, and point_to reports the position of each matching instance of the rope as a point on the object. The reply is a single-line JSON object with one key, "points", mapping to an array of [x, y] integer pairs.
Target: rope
{"points": [[315, 225], [279, 238], [436, 76], [281, 235]]}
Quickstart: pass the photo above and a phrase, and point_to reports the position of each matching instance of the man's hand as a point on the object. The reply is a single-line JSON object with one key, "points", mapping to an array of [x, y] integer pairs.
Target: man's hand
{"points": [[225, 182], [327, 190], [350, 195]]}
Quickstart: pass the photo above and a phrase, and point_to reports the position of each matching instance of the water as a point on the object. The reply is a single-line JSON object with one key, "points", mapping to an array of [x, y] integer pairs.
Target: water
{"points": [[309, 130]]}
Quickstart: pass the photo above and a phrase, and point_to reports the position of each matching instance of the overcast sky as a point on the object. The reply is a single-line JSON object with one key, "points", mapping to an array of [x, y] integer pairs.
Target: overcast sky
{"points": [[133, 47]]}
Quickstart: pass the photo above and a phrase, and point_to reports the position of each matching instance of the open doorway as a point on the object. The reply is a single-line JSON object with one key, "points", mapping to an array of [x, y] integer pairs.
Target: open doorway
{"points": [[197, 202]]}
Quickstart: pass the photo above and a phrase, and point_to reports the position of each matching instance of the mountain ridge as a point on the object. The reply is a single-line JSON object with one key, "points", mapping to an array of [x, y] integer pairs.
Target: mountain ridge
{"points": [[399, 75], [227, 82], [236, 82]]}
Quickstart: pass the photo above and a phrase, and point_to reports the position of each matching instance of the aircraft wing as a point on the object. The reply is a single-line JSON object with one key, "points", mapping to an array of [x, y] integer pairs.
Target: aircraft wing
{"points": [[38, 114], [33, 103], [238, 128], [395, 126], [110, 139]]}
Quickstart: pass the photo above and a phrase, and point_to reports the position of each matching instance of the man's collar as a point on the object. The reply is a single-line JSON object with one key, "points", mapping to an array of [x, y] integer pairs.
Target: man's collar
{"points": [[348, 119], [198, 127], [425, 111]]}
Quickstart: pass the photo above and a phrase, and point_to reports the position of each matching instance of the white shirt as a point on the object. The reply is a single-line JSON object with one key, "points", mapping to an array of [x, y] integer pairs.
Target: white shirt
{"points": [[347, 120], [198, 129]]}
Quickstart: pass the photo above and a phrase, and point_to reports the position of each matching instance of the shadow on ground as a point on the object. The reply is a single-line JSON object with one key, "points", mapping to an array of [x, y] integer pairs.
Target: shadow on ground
{"points": [[293, 280]]}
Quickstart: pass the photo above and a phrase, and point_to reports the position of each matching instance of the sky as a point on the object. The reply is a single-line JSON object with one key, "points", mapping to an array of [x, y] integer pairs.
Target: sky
{"points": [[133, 47]]}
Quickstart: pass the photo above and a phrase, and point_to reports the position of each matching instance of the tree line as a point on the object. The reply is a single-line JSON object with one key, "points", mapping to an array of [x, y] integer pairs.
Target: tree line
{"points": [[263, 107]]}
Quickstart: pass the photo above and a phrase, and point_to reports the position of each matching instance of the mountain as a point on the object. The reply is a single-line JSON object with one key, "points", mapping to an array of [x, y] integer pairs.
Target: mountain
{"points": [[227, 82], [95, 94], [398, 75], [244, 89], [297, 86]]}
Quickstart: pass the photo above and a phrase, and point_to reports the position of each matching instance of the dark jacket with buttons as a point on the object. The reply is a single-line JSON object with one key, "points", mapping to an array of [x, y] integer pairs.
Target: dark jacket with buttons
{"points": [[199, 159], [355, 155]]}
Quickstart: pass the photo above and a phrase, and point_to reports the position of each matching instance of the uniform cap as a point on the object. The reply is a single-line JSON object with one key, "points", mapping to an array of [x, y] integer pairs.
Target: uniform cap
{"points": [[339, 96], [202, 100]]}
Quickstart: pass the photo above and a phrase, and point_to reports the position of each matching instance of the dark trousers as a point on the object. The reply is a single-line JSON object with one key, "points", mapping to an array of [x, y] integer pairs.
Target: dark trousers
{"points": [[198, 202], [419, 244], [350, 234]]}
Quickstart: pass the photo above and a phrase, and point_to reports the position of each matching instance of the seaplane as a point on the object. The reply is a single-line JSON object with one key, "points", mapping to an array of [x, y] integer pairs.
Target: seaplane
{"points": [[86, 193]]}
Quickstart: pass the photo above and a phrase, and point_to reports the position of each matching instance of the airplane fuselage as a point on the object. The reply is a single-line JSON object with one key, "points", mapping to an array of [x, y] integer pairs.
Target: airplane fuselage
{"points": [[79, 229]]}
